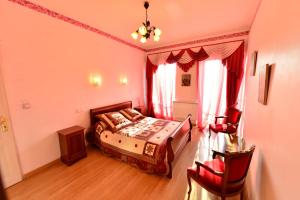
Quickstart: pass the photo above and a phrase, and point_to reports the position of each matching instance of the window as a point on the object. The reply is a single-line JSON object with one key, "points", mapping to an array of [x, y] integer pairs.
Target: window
{"points": [[212, 89], [164, 90]]}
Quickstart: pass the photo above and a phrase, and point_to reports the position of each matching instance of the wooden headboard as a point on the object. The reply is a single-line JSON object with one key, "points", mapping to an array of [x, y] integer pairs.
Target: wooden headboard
{"points": [[110, 108]]}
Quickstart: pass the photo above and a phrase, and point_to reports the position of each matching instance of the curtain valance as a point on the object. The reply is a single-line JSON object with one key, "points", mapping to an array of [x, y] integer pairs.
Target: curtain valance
{"points": [[231, 54], [186, 58], [185, 62]]}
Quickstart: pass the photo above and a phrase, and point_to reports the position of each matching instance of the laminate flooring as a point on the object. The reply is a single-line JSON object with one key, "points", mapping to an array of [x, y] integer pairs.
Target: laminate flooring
{"points": [[99, 176]]}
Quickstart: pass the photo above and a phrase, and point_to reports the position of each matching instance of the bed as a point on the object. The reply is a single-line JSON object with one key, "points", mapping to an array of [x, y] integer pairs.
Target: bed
{"points": [[148, 143]]}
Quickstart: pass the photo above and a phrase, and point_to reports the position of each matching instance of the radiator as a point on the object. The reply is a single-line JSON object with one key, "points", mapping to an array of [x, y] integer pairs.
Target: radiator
{"points": [[182, 108]]}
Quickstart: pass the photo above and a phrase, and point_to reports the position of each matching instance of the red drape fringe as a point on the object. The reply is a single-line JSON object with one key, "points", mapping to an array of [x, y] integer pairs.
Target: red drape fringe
{"points": [[235, 72], [195, 57], [172, 58], [198, 56]]}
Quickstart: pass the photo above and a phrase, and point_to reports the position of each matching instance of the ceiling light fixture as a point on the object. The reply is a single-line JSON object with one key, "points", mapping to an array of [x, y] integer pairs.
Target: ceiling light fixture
{"points": [[146, 29]]}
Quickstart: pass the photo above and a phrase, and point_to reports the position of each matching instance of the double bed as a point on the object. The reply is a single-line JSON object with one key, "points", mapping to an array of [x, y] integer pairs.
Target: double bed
{"points": [[148, 143]]}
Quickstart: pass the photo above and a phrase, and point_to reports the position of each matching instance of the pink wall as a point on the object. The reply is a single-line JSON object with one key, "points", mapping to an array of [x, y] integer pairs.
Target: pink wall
{"points": [[275, 128], [47, 62], [184, 93]]}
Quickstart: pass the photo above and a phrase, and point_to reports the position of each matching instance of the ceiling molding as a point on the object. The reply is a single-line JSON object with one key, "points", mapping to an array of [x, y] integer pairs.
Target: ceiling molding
{"points": [[74, 22], [197, 46], [210, 39], [87, 27]]}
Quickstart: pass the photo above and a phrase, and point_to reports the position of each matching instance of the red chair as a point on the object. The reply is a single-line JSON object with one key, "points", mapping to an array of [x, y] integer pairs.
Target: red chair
{"points": [[230, 122], [222, 178]]}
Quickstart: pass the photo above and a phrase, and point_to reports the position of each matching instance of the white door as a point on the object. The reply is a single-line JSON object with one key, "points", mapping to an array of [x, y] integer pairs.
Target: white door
{"points": [[9, 163]]}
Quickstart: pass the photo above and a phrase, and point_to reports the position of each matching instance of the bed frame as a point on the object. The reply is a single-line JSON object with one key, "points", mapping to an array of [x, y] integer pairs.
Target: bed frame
{"points": [[175, 143]]}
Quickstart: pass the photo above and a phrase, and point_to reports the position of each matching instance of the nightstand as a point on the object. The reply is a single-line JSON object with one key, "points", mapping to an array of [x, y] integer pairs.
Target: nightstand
{"points": [[72, 145], [141, 109]]}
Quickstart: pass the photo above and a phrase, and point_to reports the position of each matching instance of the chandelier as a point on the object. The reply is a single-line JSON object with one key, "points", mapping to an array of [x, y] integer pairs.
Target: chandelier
{"points": [[146, 29]]}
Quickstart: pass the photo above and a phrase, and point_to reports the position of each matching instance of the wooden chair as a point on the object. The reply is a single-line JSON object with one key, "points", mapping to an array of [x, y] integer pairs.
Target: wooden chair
{"points": [[222, 178], [230, 122]]}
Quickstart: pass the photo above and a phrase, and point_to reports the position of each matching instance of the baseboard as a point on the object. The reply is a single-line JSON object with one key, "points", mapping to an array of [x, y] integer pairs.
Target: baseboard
{"points": [[40, 169]]}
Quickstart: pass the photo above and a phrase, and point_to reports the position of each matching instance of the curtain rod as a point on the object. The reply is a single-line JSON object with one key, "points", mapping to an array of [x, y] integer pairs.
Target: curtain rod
{"points": [[241, 40]]}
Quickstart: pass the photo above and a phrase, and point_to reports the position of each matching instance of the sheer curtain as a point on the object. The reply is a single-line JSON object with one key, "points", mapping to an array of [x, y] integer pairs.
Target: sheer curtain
{"points": [[211, 91], [163, 92]]}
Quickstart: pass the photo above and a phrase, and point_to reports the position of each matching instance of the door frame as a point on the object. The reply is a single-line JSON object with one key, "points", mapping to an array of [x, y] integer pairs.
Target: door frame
{"points": [[15, 174]]}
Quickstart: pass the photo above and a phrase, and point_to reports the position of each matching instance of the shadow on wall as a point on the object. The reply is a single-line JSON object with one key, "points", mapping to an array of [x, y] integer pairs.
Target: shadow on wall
{"points": [[259, 182]]}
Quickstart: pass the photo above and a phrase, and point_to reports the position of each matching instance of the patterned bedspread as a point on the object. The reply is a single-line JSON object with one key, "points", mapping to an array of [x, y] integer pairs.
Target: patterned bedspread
{"points": [[144, 140]]}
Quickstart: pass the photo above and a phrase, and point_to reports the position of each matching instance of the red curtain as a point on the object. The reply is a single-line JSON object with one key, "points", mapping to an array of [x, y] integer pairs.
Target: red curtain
{"points": [[235, 72], [150, 70]]}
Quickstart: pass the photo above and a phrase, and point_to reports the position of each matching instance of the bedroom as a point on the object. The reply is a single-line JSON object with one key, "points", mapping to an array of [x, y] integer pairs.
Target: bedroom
{"points": [[47, 62]]}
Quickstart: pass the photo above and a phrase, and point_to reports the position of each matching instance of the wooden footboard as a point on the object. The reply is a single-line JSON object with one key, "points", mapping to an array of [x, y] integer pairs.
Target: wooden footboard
{"points": [[177, 141]]}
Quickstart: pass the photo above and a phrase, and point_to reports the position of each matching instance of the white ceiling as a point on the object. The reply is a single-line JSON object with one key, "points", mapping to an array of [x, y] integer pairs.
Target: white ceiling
{"points": [[179, 20]]}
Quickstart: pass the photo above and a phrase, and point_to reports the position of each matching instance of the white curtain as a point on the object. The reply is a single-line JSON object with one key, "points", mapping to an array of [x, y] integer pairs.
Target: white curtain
{"points": [[164, 80], [212, 91]]}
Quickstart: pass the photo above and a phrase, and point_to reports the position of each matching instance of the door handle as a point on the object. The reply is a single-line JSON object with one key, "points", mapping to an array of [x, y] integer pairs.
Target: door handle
{"points": [[3, 124]]}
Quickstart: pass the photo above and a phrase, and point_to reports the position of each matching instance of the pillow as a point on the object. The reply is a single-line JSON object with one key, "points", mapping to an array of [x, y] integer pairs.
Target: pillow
{"points": [[100, 127], [131, 114], [114, 120]]}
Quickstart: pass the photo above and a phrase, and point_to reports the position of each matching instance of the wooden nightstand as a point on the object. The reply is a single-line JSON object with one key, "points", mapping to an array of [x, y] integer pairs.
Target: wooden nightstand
{"points": [[141, 109], [72, 145]]}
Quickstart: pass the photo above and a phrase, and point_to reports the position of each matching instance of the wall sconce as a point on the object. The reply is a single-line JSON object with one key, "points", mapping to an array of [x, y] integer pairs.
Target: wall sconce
{"points": [[123, 80], [95, 80]]}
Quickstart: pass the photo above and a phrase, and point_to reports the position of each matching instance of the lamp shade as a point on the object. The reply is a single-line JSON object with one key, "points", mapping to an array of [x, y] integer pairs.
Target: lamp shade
{"points": [[156, 38], [157, 32], [143, 40], [142, 30], [134, 35]]}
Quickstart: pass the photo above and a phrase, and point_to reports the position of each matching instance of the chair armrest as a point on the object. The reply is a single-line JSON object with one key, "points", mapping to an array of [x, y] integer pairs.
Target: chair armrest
{"points": [[200, 164], [232, 124], [219, 117], [215, 153]]}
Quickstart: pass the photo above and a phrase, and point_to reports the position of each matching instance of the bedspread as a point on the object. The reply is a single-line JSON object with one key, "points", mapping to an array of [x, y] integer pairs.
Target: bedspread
{"points": [[144, 141]]}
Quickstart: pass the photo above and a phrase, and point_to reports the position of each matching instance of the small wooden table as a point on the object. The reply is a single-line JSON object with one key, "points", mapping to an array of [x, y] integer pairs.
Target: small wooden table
{"points": [[72, 144], [225, 142]]}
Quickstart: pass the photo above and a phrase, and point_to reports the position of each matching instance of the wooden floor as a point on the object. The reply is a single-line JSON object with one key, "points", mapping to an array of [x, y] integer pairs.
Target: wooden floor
{"points": [[102, 177]]}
